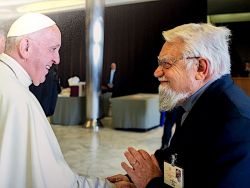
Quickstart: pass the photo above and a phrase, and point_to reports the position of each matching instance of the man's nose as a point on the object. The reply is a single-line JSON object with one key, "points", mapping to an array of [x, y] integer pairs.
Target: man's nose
{"points": [[158, 72], [56, 59]]}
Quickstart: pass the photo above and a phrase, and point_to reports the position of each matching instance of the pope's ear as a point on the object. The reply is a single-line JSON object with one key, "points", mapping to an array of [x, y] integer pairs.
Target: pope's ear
{"points": [[202, 69], [24, 47]]}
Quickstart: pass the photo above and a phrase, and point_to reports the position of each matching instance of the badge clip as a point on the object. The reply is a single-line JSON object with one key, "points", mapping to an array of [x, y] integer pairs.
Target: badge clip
{"points": [[173, 159]]}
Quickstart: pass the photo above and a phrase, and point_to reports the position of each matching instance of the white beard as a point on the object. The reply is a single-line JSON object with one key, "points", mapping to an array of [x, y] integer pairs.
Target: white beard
{"points": [[170, 98]]}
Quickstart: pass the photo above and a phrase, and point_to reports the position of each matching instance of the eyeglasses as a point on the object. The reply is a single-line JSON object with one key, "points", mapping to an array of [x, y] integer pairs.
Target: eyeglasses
{"points": [[167, 63]]}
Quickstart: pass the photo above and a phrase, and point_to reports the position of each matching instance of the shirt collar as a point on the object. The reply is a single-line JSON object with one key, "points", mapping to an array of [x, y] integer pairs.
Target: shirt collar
{"points": [[17, 69], [189, 103]]}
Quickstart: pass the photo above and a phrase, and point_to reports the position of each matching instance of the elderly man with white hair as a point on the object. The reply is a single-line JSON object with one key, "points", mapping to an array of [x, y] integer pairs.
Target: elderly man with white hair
{"points": [[209, 145], [30, 155]]}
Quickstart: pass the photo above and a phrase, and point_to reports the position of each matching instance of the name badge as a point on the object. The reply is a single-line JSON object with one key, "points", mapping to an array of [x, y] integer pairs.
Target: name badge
{"points": [[173, 175]]}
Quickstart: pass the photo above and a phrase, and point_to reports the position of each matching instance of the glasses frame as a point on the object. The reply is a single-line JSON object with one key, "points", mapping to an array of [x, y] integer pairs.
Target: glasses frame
{"points": [[167, 63]]}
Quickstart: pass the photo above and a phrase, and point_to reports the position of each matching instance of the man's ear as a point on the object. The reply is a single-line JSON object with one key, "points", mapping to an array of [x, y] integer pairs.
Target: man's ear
{"points": [[24, 47], [202, 69]]}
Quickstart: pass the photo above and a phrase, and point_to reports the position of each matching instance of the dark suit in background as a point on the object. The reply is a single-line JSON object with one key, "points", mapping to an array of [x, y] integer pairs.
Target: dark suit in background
{"points": [[109, 89], [47, 92], [213, 143], [105, 85]]}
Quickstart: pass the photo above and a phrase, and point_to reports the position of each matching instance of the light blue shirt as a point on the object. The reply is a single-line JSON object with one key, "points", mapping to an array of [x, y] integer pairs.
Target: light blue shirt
{"points": [[112, 73]]}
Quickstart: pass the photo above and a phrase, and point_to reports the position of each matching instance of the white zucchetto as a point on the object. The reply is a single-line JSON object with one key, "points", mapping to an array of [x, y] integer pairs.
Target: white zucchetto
{"points": [[29, 23]]}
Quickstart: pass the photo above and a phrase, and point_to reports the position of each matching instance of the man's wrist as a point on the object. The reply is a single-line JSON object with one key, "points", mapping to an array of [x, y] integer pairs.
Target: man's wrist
{"points": [[128, 178]]}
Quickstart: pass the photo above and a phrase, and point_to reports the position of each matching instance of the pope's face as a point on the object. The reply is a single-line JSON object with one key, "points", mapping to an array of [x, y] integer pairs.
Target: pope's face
{"points": [[44, 53]]}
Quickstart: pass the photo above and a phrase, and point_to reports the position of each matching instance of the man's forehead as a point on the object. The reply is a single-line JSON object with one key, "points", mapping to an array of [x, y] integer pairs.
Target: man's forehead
{"points": [[171, 50], [47, 35]]}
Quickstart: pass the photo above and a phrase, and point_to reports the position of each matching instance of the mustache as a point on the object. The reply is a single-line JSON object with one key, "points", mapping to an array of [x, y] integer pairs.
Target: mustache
{"points": [[162, 79]]}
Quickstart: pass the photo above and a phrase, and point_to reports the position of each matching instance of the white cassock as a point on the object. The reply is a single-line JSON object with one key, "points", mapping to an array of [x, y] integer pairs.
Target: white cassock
{"points": [[30, 156]]}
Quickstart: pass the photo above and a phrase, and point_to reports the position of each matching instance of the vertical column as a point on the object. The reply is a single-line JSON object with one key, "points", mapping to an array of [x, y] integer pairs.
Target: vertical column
{"points": [[94, 60]]}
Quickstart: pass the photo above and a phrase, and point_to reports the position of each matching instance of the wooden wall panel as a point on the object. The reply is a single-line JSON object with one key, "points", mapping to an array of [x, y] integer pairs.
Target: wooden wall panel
{"points": [[244, 83]]}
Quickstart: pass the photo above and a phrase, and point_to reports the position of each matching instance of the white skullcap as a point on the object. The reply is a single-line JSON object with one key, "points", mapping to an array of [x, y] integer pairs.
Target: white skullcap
{"points": [[29, 23]]}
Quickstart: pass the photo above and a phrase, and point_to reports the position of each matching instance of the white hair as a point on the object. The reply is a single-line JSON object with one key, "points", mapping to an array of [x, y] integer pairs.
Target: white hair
{"points": [[204, 40], [168, 98], [11, 43], [2, 39]]}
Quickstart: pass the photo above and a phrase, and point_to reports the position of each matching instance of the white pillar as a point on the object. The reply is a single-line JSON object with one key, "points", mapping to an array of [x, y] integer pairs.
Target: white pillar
{"points": [[94, 59]]}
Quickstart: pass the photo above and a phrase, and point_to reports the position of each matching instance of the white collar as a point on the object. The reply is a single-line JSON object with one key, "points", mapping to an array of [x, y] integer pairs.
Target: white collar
{"points": [[17, 69]]}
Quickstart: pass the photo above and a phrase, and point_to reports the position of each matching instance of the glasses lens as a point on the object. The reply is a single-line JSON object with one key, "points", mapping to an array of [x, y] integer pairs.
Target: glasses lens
{"points": [[165, 63]]}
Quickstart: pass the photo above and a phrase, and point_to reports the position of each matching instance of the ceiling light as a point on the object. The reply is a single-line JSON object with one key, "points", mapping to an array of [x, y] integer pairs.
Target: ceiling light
{"points": [[56, 5], [4, 3], [225, 18]]}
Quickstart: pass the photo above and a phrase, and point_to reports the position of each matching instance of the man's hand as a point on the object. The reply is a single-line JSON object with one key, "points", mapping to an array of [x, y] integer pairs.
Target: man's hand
{"points": [[121, 181], [144, 167], [117, 178]]}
